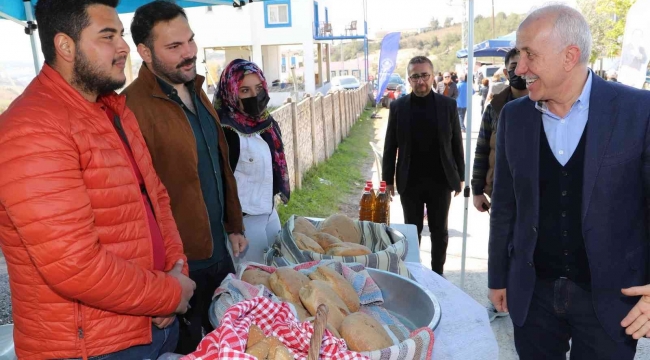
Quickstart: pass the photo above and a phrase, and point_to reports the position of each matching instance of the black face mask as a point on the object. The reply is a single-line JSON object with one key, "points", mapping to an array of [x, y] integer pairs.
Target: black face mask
{"points": [[516, 81], [255, 106]]}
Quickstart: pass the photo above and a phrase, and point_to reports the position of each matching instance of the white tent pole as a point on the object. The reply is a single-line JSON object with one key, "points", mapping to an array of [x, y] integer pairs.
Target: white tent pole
{"points": [[32, 36], [468, 134]]}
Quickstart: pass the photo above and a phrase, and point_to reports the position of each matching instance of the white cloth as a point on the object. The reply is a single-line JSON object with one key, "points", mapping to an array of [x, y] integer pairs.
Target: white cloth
{"points": [[464, 332], [261, 231], [254, 175]]}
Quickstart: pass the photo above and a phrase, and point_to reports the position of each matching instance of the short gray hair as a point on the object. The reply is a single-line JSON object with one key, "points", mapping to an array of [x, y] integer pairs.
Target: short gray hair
{"points": [[570, 28]]}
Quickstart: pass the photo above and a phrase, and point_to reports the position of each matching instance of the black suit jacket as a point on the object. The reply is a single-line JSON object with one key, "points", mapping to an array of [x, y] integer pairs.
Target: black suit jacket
{"points": [[398, 136]]}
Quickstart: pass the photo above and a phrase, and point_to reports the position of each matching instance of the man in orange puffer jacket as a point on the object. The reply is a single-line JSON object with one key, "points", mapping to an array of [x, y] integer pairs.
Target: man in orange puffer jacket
{"points": [[93, 252]]}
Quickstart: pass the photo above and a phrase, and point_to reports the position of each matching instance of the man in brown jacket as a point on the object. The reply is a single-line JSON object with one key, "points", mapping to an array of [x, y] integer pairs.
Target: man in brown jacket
{"points": [[190, 154]]}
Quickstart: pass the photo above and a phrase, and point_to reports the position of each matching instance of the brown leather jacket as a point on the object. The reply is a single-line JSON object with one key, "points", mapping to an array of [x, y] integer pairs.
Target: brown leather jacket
{"points": [[172, 146]]}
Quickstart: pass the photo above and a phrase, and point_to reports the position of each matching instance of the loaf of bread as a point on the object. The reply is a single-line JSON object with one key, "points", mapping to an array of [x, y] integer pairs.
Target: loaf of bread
{"points": [[304, 226], [304, 242], [318, 292], [347, 249], [257, 277], [341, 227], [259, 350], [280, 352], [325, 239], [255, 335], [286, 283], [340, 285], [274, 343], [303, 314], [363, 333]]}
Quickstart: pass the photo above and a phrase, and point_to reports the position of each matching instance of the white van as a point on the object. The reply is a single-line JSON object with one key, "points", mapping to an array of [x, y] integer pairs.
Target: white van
{"points": [[489, 70]]}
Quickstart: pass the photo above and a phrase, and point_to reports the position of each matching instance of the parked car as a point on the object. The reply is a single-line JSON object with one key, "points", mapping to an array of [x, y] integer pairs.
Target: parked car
{"points": [[389, 94], [488, 70], [345, 83]]}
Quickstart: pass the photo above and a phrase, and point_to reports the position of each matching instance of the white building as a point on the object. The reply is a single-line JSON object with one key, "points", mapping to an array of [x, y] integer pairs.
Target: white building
{"points": [[256, 32]]}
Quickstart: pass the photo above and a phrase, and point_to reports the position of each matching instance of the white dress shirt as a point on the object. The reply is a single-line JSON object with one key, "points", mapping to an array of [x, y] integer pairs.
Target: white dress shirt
{"points": [[564, 134]]}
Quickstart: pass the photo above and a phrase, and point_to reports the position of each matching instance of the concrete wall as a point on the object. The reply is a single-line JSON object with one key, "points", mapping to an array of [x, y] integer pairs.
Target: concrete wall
{"points": [[237, 53], [272, 62], [313, 128]]}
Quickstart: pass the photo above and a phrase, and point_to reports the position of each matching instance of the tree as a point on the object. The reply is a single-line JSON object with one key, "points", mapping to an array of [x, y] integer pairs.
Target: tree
{"points": [[434, 23], [448, 21], [606, 20], [616, 13], [598, 24], [435, 42]]}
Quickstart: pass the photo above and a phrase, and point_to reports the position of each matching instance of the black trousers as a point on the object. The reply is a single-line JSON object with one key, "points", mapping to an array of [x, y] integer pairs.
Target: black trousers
{"points": [[195, 323], [437, 198], [561, 310]]}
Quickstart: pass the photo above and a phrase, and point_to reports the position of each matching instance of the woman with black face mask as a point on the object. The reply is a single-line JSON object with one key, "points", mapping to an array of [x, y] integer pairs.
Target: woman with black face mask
{"points": [[256, 152]]}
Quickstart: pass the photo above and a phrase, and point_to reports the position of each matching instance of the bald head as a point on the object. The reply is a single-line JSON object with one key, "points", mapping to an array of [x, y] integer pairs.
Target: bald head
{"points": [[565, 25]]}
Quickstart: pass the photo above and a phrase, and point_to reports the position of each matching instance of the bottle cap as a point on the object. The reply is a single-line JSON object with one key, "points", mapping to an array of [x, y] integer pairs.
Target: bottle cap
{"points": [[383, 183]]}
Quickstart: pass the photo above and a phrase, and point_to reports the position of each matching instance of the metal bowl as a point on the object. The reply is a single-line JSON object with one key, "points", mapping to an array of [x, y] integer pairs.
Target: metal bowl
{"points": [[412, 304]]}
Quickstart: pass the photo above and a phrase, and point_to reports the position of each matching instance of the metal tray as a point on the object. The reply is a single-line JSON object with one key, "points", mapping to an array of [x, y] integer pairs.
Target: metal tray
{"points": [[411, 303]]}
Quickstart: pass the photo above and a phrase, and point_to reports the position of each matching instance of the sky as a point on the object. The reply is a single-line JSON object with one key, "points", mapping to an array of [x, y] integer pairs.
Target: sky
{"points": [[383, 15]]}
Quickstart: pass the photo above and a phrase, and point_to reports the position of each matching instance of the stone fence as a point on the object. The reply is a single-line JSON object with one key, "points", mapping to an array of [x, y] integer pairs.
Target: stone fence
{"points": [[313, 128]]}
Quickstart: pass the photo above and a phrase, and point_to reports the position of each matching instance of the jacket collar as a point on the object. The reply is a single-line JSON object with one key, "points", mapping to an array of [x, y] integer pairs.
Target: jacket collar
{"points": [[58, 86]]}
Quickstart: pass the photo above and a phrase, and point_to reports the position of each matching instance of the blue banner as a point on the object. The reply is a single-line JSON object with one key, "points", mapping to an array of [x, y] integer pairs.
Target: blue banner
{"points": [[387, 62]]}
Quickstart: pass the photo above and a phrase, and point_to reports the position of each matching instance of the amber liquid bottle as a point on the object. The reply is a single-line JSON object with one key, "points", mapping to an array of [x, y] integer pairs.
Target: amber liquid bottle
{"points": [[366, 205]]}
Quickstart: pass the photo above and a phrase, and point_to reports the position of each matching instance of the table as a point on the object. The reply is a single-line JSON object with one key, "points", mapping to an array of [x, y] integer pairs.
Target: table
{"points": [[464, 332]]}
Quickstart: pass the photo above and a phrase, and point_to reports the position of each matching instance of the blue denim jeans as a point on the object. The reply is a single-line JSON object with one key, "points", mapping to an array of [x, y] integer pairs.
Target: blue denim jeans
{"points": [[561, 311], [461, 117], [162, 341]]}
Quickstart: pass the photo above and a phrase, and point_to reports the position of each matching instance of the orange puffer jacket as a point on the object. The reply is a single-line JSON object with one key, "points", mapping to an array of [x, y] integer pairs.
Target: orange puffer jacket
{"points": [[73, 226]]}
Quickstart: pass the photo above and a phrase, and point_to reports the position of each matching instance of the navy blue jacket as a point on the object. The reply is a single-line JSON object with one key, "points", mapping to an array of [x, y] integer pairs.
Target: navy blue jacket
{"points": [[615, 204]]}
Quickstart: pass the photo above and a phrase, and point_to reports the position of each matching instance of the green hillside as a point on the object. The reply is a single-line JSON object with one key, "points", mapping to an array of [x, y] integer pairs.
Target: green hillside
{"points": [[439, 44]]}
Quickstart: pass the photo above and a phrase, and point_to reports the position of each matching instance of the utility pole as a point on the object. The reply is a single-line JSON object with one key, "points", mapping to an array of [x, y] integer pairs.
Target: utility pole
{"points": [[464, 23], [494, 33]]}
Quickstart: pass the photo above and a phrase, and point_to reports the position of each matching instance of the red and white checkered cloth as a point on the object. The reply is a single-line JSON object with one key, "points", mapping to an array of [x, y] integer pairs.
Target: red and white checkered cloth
{"points": [[229, 340]]}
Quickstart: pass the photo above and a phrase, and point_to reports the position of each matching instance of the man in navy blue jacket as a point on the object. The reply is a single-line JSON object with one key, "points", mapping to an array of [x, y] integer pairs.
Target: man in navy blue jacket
{"points": [[568, 253]]}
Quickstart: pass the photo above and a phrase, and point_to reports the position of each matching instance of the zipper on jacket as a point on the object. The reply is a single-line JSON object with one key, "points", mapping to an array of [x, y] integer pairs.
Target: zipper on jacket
{"points": [[124, 149], [80, 331]]}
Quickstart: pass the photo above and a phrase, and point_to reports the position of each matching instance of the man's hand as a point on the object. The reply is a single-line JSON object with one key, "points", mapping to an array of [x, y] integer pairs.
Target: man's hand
{"points": [[390, 190], [238, 242], [498, 299], [187, 286], [163, 321], [462, 185], [636, 322], [479, 201]]}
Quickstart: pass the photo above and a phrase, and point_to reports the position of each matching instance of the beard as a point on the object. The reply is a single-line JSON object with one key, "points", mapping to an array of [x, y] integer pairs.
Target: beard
{"points": [[173, 74], [89, 78], [422, 90]]}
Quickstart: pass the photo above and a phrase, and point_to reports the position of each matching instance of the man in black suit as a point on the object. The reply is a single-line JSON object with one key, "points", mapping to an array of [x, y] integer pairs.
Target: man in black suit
{"points": [[424, 127]]}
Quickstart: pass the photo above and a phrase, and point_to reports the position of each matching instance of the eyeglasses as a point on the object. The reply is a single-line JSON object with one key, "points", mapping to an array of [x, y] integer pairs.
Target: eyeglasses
{"points": [[417, 77], [446, 77]]}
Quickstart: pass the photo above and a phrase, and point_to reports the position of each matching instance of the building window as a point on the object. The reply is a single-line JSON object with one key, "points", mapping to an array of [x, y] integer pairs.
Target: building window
{"points": [[277, 13]]}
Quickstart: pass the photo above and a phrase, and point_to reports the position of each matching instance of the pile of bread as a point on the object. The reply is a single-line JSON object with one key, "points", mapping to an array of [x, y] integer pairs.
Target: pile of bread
{"points": [[337, 235], [360, 331]]}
